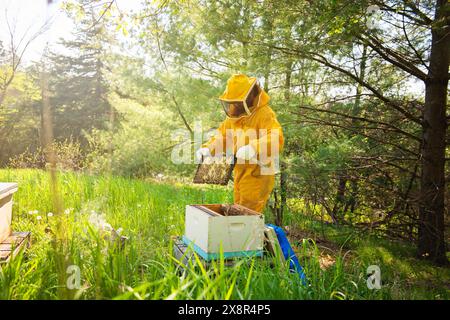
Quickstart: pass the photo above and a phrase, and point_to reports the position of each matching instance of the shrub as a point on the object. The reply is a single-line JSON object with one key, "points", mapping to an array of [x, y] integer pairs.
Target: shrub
{"points": [[69, 156]]}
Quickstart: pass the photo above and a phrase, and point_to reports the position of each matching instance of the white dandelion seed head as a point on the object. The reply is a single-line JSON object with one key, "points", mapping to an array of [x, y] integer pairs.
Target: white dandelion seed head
{"points": [[99, 222]]}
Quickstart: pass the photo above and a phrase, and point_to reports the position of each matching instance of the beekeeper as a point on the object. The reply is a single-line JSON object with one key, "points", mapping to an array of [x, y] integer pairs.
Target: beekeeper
{"points": [[253, 134]]}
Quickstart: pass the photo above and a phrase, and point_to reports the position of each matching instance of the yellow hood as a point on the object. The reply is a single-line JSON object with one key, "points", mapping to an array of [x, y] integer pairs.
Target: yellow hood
{"points": [[237, 88]]}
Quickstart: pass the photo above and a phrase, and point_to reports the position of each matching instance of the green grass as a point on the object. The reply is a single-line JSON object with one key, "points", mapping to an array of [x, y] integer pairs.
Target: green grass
{"points": [[150, 213]]}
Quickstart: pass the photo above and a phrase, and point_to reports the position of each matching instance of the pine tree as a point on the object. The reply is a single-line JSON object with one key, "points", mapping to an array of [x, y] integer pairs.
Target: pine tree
{"points": [[78, 83]]}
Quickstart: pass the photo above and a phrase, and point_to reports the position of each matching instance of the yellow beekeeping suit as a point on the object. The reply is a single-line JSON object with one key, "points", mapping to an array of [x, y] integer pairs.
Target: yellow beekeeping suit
{"points": [[253, 182]]}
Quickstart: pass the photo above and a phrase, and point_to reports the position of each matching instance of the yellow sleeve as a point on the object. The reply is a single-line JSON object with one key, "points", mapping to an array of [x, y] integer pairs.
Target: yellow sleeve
{"points": [[271, 138], [217, 143]]}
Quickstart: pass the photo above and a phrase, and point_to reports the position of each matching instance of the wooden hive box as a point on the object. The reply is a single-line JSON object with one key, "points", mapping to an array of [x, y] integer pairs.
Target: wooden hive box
{"points": [[208, 229], [6, 194], [13, 244]]}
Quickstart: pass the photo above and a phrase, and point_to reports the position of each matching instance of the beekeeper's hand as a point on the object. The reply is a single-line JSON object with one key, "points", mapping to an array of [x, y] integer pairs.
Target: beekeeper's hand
{"points": [[202, 153], [246, 152]]}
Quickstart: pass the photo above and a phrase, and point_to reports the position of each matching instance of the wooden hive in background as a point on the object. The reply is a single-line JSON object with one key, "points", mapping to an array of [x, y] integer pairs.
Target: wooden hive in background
{"points": [[6, 194], [12, 245]]}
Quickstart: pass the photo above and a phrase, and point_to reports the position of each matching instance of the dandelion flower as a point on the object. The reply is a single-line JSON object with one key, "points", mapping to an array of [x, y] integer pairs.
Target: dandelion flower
{"points": [[106, 227]]}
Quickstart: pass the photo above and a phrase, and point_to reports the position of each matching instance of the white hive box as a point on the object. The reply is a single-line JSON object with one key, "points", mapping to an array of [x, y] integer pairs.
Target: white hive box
{"points": [[207, 229], [6, 193]]}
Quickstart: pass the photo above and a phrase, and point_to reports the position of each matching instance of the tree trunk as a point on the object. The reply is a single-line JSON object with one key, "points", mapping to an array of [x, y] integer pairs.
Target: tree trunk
{"points": [[283, 189], [431, 238], [356, 112], [287, 81], [340, 195], [283, 164]]}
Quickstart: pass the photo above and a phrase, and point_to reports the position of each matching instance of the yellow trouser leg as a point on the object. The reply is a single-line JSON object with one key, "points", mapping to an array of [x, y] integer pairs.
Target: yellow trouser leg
{"points": [[253, 191]]}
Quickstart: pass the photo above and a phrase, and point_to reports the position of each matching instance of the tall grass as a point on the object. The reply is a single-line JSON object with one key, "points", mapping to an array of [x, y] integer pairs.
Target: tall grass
{"points": [[151, 214]]}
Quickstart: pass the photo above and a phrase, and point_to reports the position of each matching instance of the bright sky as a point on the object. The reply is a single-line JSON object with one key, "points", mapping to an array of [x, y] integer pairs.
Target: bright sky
{"points": [[26, 17]]}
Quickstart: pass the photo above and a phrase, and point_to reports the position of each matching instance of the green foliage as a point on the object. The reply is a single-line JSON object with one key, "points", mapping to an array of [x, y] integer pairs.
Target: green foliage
{"points": [[69, 156], [78, 81], [19, 114], [123, 85], [150, 214], [140, 146]]}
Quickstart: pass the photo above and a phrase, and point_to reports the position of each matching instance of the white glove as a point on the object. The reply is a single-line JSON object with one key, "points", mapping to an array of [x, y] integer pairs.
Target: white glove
{"points": [[202, 153], [246, 152]]}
